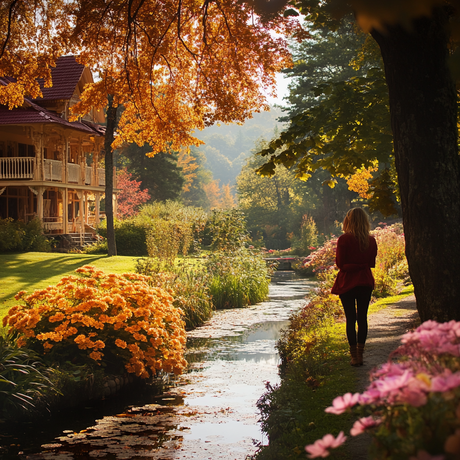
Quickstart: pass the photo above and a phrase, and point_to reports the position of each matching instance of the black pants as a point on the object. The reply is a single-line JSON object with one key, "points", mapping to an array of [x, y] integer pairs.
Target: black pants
{"points": [[355, 303]]}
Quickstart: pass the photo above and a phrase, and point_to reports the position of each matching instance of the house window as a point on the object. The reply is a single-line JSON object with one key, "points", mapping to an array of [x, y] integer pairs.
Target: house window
{"points": [[2, 149], [26, 150], [11, 150]]}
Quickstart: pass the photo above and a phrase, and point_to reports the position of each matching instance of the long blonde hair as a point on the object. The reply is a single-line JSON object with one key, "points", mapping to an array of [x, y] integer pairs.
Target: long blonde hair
{"points": [[357, 223]]}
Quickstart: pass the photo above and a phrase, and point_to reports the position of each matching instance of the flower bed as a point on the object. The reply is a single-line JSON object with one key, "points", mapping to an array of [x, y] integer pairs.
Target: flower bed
{"points": [[117, 321], [412, 406]]}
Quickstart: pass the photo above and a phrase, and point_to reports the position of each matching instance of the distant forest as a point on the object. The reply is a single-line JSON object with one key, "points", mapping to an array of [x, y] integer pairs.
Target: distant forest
{"points": [[228, 146]]}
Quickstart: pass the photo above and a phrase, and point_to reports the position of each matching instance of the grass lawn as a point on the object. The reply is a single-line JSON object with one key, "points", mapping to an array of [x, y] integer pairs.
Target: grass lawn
{"points": [[37, 270]]}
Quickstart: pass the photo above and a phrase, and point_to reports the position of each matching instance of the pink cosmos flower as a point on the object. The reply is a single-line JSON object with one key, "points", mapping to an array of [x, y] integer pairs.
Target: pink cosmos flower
{"points": [[423, 455], [392, 383], [342, 403], [320, 447], [361, 425], [445, 382]]}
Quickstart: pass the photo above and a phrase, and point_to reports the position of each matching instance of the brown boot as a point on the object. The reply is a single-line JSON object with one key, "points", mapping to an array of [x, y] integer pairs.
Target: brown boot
{"points": [[354, 355], [360, 353]]}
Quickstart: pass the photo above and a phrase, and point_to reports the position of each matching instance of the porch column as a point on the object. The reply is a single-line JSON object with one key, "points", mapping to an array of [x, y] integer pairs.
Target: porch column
{"points": [[97, 207], [65, 211], [86, 207], [80, 195], [40, 191]]}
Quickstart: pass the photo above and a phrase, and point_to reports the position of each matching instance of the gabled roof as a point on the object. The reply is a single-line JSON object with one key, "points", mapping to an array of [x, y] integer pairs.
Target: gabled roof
{"points": [[65, 76], [33, 113]]}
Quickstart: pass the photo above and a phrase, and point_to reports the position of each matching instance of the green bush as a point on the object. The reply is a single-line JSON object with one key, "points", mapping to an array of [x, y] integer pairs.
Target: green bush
{"points": [[187, 283], [130, 237], [237, 279], [225, 230], [17, 236], [24, 381]]}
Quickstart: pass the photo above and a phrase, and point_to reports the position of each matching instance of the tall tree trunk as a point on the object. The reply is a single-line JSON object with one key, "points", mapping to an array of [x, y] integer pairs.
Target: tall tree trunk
{"points": [[424, 122], [109, 137]]}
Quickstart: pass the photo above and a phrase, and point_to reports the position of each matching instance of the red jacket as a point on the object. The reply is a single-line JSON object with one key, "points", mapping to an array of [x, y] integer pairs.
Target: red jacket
{"points": [[355, 266]]}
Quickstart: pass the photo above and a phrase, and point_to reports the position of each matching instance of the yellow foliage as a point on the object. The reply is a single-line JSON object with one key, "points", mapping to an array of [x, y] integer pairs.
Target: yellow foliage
{"points": [[358, 182], [175, 66]]}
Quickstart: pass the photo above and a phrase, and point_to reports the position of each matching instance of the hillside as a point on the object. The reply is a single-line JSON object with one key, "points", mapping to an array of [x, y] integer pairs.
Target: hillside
{"points": [[227, 146]]}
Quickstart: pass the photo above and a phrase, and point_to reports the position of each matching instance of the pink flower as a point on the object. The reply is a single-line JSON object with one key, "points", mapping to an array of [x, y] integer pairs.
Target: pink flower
{"points": [[445, 382], [363, 424], [320, 447], [392, 384], [342, 403], [423, 455]]}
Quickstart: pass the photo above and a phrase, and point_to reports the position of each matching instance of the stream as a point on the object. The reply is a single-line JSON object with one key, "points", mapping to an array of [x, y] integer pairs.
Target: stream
{"points": [[207, 413]]}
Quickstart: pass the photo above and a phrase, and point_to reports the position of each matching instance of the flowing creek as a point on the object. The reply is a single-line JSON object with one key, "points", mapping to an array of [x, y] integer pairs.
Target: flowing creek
{"points": [[208, 413]]}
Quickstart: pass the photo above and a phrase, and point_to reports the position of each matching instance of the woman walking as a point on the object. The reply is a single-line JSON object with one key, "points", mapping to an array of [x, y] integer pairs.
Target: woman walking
{"points": [[356, 253]]}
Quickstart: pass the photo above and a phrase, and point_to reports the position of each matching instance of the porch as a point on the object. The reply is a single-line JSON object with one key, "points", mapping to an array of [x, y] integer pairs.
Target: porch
{"points": [[30, 168]]}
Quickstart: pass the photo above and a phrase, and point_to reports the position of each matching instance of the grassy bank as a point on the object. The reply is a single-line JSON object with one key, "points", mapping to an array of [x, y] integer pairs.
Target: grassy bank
{"points": [[293, 413], [37, 270]]}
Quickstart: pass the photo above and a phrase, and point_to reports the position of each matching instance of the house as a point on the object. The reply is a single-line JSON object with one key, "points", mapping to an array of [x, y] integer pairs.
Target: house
{"points": [[49, 166]]}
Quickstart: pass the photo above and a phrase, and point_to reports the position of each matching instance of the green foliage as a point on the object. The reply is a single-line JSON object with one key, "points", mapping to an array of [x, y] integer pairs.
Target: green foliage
{"points": [[159, 174], [189, 285], [129, 235], [172, 229], [226, 230], [24, 381], [339, 111], [237, 279], [308, 240], [391, 265], [160, 230], [16, 235], [275, 206], [292, 414]]}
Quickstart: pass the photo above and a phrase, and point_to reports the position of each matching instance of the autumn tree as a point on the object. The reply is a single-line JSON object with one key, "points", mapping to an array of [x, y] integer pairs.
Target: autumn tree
{"points": [[130, 196], [160, 174], [175, 66]]}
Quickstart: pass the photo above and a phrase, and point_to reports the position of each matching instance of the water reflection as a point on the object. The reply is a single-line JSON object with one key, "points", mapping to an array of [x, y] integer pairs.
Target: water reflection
{"points": [[209, 413]]}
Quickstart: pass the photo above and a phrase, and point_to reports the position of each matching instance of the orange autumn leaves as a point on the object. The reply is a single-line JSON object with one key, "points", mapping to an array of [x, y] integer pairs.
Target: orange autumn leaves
{"points": [[103, 317]]}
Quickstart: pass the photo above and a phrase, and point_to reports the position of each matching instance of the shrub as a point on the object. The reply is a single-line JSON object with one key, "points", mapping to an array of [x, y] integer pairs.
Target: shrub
{"points": [[412, 405], [113, 320], [24, 380], [239, 279], [16, 235], [190, 222], [391, 265], [187, 284], [226, 230], [129, 235]]}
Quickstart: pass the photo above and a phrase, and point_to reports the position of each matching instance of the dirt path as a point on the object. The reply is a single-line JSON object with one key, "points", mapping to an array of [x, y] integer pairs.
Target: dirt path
{"points": [[385, 330]]}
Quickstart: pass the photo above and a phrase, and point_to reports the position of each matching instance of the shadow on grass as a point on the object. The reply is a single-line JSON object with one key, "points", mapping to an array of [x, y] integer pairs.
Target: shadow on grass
{"points": [[25, 271]]}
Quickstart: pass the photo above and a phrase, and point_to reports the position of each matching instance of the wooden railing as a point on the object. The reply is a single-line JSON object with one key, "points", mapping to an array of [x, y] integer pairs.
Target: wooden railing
{"points": [[53, 170], [17, 168], [24, 168], [73, 173], [101, 176]]}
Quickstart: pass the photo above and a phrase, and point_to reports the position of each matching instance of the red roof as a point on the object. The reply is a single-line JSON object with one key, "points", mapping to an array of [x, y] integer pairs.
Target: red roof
{"points": [[65, 76], [37, 114]]}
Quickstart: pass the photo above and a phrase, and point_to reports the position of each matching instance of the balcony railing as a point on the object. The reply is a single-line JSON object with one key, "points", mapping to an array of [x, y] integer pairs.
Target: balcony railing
{"points": [[53, 170], [17, 168], [12, 168]]}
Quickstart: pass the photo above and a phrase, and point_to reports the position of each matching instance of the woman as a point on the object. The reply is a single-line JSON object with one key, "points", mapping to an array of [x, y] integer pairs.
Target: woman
{"points": [[356, 253]]}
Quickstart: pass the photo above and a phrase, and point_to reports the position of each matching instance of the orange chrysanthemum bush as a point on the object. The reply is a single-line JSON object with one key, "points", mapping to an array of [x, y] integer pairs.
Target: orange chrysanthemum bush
{"points": [[108, 319]]}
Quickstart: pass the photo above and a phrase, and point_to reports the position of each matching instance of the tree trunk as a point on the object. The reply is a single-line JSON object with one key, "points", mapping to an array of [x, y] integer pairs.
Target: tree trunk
{"points": [[424, 122], [109, 137]]}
